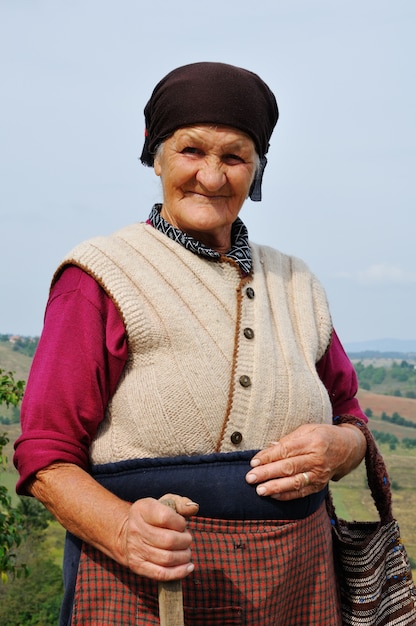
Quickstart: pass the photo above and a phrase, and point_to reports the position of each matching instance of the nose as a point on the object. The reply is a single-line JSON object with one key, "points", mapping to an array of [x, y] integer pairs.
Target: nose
{"points": [[211, 174]]}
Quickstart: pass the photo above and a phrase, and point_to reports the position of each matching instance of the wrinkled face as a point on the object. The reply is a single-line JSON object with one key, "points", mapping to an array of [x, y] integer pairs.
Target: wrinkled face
{"points": [[206, 174]]}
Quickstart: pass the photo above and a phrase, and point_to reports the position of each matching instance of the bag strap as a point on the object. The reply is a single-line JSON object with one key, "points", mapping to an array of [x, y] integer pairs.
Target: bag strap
{"points": [[377, 476]]}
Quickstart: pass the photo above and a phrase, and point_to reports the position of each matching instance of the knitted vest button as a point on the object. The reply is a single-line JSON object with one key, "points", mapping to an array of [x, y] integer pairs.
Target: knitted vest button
{"points": [[248, 333], [245, 381], [250, 293], [236, 438]]}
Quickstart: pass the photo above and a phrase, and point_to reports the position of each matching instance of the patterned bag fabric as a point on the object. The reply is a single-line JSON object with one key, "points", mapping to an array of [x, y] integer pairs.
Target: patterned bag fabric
{"points": [[373, 570]]}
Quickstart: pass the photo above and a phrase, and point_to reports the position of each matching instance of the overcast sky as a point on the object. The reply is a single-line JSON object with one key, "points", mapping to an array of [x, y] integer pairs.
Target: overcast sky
{"points": [[339, 189]]}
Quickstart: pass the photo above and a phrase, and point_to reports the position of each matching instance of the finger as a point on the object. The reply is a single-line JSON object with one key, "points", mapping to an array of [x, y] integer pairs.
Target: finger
{"points": [[289, 495], [159, 571], [275, 469], [296, 484], [181, 504], [161, 557], [174, 573], [274, 452], [297, 443]]}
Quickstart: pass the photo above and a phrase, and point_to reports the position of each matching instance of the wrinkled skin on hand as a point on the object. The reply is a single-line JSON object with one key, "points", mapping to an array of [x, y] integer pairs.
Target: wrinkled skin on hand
{"points": [[322, 452], [155, 539]]}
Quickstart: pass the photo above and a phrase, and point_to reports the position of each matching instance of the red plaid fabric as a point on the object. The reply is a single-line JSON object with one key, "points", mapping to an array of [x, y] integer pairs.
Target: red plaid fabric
{"points": [[246, 572]]}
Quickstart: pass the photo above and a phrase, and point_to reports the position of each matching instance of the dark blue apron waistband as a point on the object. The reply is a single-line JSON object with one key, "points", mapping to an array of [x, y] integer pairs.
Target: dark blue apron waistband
{"points": [[215, 481]]}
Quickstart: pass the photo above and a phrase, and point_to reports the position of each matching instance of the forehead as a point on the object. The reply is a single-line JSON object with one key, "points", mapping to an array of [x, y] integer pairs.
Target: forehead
{"points": [[218, 135]]}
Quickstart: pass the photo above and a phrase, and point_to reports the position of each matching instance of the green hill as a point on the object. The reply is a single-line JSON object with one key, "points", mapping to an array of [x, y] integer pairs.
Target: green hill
{"points": [[14, 360]]}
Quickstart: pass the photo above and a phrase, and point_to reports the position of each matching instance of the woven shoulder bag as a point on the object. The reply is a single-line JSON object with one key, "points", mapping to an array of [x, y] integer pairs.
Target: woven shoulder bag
{"points": [[371, 563]]}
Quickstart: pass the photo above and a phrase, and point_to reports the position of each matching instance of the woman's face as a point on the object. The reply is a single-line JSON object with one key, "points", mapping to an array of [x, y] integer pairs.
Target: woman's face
{"points": [[206, 174]]}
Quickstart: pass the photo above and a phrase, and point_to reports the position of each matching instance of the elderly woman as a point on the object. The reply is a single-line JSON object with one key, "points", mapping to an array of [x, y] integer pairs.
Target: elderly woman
{"points": [[178, 357]]}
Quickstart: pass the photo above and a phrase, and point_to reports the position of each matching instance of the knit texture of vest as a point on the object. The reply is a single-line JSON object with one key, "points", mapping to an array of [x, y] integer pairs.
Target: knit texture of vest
{"points": [[216, 362]]}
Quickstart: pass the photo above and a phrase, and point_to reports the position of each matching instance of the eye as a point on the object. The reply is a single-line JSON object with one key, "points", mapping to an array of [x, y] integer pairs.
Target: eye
{"points": [[232, 159], [191, 150]]}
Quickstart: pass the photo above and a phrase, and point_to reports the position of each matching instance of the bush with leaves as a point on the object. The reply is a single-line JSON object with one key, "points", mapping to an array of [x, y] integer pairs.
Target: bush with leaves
{"points": [[11, 390], [35, 600], [11, 524], [22, 533]]}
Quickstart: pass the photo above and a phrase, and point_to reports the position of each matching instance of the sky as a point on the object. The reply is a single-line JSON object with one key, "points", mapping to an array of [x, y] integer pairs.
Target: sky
{"points": [[339, 187]]}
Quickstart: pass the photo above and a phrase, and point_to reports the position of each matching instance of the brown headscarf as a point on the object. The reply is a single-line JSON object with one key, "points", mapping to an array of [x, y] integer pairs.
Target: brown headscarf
{"points": [[211, 93]]}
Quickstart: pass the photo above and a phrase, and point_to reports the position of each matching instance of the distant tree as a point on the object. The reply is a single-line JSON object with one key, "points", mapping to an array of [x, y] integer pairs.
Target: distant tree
{"points": [[379, 375], [25, 345], [405, 364], [400, 373], [396, 418], [364, 375], [369, 412], [388, 438], [408, 442]]}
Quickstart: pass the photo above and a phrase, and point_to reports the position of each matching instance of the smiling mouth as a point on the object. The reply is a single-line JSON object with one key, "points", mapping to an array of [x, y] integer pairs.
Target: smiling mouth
{"points": [[206, 196]]}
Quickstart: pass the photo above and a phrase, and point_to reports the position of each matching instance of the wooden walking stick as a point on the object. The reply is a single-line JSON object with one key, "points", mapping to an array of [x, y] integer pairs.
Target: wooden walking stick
{"points": [[170, 593]]}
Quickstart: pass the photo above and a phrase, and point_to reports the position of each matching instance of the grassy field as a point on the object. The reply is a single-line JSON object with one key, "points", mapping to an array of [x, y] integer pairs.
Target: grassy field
{"points": [[378, 403]]}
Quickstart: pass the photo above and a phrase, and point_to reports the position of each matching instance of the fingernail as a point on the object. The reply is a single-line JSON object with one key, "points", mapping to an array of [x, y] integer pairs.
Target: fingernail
{"points": [[192, 504], [261, 490], [255, 462], [251, 478], [190, 567]]}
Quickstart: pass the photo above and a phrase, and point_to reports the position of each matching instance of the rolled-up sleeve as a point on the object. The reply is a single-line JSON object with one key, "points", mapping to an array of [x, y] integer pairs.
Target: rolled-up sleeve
{"points": [[75, 371]]}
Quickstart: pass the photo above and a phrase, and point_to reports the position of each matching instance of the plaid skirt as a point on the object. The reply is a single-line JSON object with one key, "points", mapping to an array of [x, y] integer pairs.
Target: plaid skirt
{"points": [[255, 573]]}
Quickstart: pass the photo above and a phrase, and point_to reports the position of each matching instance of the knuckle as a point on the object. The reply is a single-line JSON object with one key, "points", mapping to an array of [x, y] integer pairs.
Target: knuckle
{"points": [[284, 449], [162, 574], [289, 468], [167, 558], [298, 483]]}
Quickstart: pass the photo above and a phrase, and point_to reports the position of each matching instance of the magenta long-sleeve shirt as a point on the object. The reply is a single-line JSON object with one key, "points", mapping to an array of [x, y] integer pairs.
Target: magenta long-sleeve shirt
{"points": [[78, 363]]}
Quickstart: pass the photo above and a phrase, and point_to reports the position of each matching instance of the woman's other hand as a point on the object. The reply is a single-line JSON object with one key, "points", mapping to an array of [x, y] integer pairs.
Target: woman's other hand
{"points": [[304, 461]]}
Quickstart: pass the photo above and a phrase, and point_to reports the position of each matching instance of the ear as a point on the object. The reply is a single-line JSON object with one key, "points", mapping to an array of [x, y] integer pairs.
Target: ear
{"points": [[157, 166]]}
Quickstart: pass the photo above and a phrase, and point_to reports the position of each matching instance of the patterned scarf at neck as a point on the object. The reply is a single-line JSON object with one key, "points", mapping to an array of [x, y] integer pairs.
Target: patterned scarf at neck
{"points": [[239, 251]]}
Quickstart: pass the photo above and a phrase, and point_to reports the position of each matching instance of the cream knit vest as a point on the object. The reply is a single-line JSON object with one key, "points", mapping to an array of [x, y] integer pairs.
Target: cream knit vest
{"points": [[212, 366]]}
